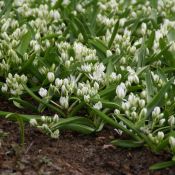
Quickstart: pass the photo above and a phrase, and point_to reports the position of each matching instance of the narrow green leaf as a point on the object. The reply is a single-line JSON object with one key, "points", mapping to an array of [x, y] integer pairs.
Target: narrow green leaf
{"points": [[157, 56], [81, 28], [162, 165], [108, 90], [76, 120], [150, 41], [99, 45], [127, 143], [141, 56], [84, 129], [158, 97], [25, 41], [113, 34], [23, 103], [42, 101], [149, 85], [113, 123]]}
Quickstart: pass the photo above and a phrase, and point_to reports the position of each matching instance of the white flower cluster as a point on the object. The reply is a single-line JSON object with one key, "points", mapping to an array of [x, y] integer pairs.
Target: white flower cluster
{"points": [[45, 124], [14, 84], [119, 61]]}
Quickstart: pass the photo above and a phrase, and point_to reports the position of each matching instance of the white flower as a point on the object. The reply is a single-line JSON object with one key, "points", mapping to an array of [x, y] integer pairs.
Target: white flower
{"points": [[162, 121], [42, 92], [50, 76], [86, 98], [121, 91], [143, 112], [37, 47], [133, 78], [98, 105], [56, 118], [58, 82], [55, 14], [126, 106], [108, 53], [96, 85], [113, 76], [160, 135], [172, 141], [171, 120], [86, 67], [116, 112], [156, 111], [64, 102], [4, 88], [98, 74], [55, 134], [122, 22], [143, 28], [141, 103], [43, 118], [33, 122]]}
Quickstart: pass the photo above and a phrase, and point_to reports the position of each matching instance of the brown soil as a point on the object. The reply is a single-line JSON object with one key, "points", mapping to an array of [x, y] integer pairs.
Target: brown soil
{"points": [[72, 154]]}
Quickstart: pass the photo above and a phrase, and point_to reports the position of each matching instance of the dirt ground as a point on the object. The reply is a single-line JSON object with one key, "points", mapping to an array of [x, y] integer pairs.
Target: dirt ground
{"points": [[71, 154]]}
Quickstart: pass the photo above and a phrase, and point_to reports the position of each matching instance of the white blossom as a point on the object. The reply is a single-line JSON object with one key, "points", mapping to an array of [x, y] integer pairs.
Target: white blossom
{"points": [[98, 105], [42, 92]]}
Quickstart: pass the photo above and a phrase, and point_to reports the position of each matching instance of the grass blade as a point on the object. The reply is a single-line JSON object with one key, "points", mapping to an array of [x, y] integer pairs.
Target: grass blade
{"points": [[162, 165]]}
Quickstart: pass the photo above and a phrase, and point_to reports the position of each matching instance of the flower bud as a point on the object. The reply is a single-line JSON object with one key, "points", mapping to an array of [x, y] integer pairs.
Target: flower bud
{"points": [[56, 118], [172, 141], [98, 105], [108, 53], [116, 112], [33, 122], [58, 82], [160, 135], [171, 120], [121, 91], [42, 92], [50, 76]]}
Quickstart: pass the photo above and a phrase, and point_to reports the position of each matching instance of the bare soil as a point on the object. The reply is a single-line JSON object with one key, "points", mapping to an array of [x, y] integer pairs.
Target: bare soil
{"points": [[71, 154]]}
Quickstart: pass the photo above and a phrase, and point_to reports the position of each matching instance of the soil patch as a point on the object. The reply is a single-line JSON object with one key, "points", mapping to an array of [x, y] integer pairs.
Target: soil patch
{"points": [[71, 154]]}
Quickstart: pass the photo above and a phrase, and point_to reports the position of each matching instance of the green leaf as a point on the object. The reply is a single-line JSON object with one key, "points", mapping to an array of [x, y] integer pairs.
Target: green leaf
{"points": [[43, 102], [7, 7], [99, 45], [154, 3], [164, 143], [150, 41], [149, 85], [137, 131], [141, 57], [113, 34], [108, 90], [156, 57], [79, 124], [28, 64], [23, 103], [24, 117], [84, 129], [171, 35], [113, 123], [81, 28], [162, 165], [25, 41], [110, 68], [77, 120], [107, 104], [127, 143], [156, 101]]}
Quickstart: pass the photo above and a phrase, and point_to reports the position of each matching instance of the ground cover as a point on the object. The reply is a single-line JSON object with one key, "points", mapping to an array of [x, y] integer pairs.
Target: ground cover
{"points": [[85, 66]]}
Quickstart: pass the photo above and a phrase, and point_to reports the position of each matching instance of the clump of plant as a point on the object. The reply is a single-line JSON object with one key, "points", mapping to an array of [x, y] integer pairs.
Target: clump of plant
{"points": [[93, 63]]}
